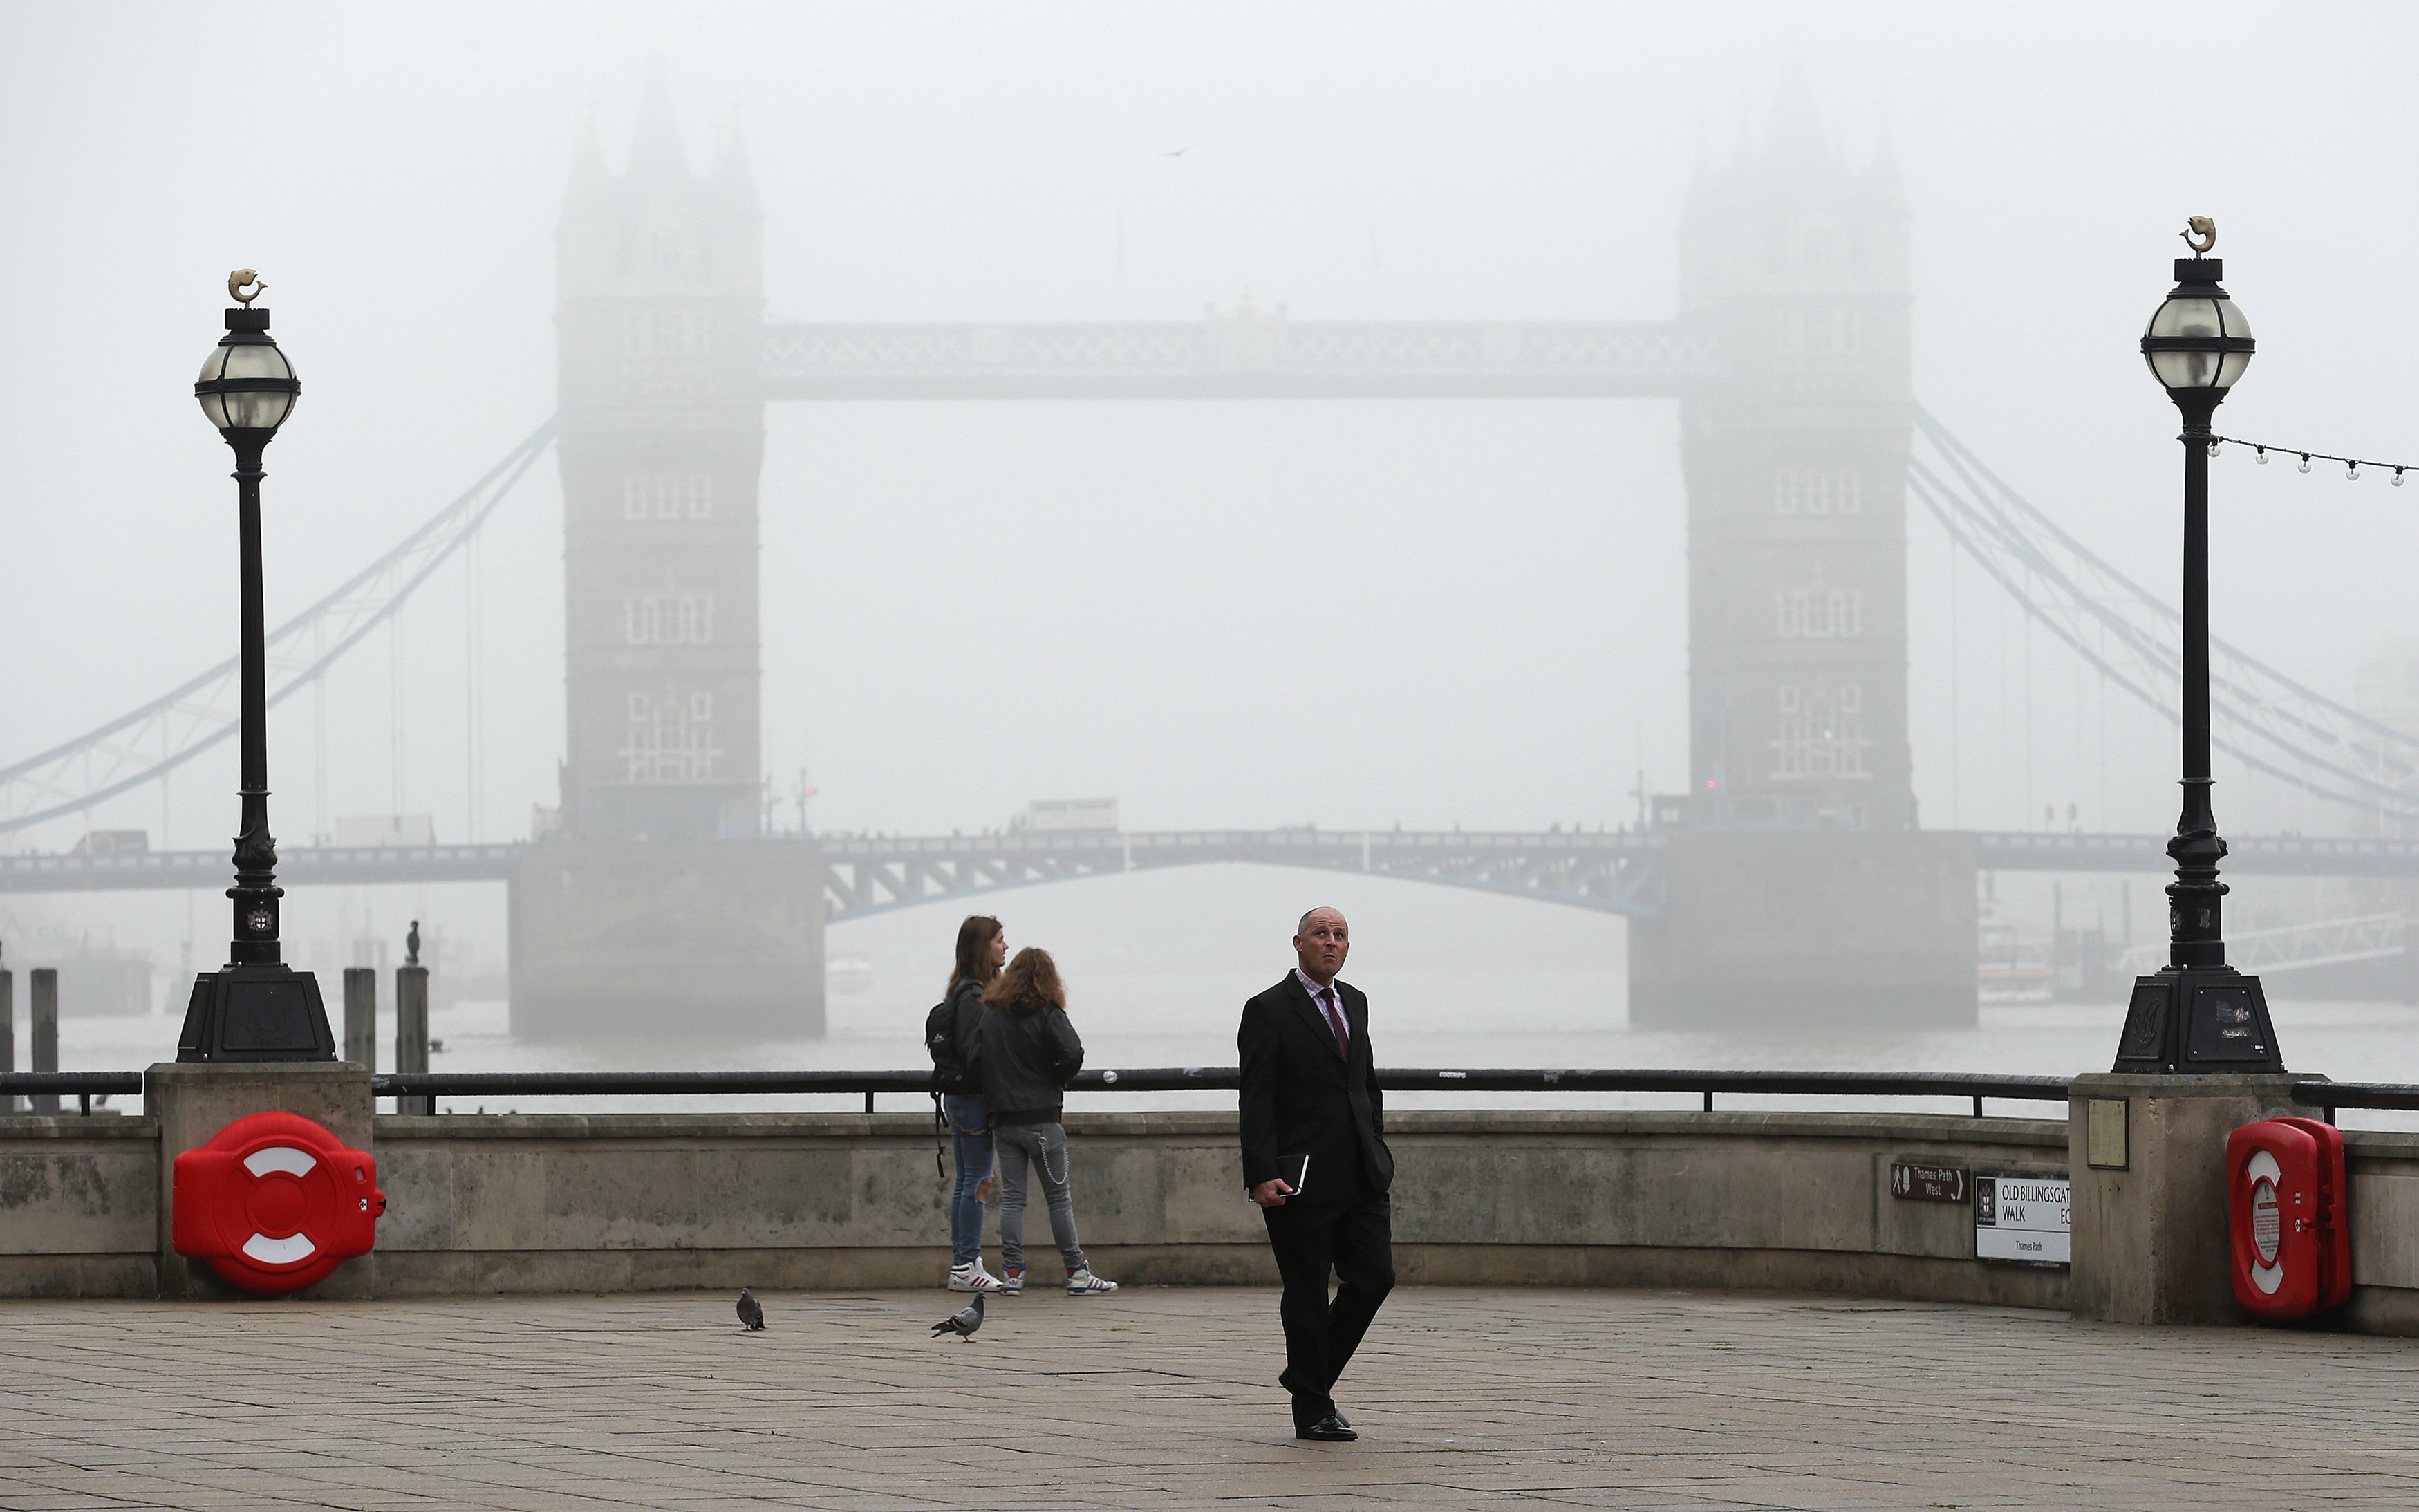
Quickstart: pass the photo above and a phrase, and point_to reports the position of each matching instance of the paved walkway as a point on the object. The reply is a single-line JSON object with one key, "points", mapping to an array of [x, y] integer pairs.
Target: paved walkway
{"points": [[1162, 1398]]}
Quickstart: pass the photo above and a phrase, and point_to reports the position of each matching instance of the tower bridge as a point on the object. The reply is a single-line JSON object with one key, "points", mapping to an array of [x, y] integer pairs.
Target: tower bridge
{"points": [[1787, 353], [1243, 354], [1791, 878], [1613, 872]]}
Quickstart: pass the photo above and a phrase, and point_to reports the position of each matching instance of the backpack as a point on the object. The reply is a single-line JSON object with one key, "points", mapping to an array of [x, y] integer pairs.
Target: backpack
{"points": [[953, 1070]]}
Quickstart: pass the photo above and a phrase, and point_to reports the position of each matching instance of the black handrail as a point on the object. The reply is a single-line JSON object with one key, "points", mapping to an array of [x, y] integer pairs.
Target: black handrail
{"points": [[1811, 1083], [2317, 1092], [2330, 1096], [640, 1083], [1225, 1078], [1173, 1079], [86, 1085]]}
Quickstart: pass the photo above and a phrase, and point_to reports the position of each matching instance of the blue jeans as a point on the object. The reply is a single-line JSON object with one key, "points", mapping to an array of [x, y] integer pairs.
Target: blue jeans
{"points": [[970, 1141]]}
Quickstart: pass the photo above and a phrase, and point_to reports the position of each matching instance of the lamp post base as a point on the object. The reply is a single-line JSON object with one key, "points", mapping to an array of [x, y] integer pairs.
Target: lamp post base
{"points": [[256, 1013], [2188, 1020]]}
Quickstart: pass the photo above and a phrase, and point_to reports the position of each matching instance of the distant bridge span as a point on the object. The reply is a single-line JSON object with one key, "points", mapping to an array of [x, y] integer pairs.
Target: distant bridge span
{"points": [[1613, 873]]}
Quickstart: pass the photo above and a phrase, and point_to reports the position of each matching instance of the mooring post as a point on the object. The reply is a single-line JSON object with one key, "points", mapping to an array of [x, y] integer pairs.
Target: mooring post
{"points": [[360, 1017], [46, 1032], [411, 1032]]}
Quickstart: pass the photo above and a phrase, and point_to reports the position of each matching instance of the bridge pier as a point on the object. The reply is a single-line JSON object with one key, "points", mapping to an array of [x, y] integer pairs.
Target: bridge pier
{"points": [[1837, 927], [705, 939]]}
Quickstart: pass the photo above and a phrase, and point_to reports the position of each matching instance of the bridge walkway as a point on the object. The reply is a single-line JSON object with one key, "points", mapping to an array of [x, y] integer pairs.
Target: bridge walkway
{"points": [[1618, 871], [1164, 1399]]}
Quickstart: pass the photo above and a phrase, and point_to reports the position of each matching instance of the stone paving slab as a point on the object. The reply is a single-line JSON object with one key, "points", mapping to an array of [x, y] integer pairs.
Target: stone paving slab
{"points": [[1165, 1399]]}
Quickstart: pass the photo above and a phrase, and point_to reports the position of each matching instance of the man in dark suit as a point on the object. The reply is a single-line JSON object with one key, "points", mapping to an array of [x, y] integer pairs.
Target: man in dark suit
{"points": [[1315, 1159]]}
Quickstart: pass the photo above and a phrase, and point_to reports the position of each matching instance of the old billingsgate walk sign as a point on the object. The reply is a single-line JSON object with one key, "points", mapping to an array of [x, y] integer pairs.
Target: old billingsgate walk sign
{"points": [[2023, 1218]]}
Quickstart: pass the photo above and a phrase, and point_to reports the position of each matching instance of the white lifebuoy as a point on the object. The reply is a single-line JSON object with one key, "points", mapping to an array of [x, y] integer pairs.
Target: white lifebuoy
{"points": [[2268, 1268], [280, 1160]]}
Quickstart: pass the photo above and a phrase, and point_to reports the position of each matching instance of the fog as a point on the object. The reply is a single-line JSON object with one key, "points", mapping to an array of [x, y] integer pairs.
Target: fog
{"points": [[1352, 614]]}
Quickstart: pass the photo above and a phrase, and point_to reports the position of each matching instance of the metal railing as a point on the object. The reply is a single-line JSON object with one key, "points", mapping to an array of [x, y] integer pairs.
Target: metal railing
{"points": [[2328, 1096], [83, 1085], [1705, 1084], [2315, 1093], [87, 1085]]}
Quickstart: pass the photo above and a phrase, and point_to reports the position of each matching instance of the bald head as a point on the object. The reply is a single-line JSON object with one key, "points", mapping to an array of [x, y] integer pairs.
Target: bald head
{"points": [[1320, 943]]}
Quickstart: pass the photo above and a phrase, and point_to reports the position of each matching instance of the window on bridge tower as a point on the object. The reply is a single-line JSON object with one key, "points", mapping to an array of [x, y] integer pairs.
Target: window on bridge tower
{"points": [[670, 739], [667, 617], [662, 332], [661, 251], [668, 496], [1821, 733], [1819, 332], [1818, 491], [1819, 611]]}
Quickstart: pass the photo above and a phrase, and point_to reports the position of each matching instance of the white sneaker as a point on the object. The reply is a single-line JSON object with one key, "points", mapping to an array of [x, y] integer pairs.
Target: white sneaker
{"points": [[1084, 1283], [972, 1278]]}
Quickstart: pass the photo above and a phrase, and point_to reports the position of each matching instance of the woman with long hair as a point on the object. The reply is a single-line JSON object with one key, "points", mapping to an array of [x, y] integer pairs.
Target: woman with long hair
{"points": [[1030, 1054], [982, 945]]}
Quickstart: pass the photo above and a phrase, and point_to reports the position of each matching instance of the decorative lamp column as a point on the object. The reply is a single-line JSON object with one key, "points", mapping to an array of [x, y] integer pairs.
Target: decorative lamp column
{"points": [[255, 1007], [2198, 1015]]}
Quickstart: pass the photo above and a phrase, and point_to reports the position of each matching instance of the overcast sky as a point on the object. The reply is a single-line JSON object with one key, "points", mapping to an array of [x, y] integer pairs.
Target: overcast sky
{"points": [[1223, 613]]}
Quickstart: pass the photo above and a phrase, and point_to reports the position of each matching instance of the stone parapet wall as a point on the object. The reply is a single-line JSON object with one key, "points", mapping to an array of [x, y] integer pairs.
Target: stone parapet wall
{"points": [[537, 1203], [2385, 1175], [79, 1206]]}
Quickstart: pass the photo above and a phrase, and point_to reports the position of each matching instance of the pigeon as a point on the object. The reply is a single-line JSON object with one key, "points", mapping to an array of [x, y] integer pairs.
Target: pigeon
{"points": [[751, 1312], [962, 1323]]}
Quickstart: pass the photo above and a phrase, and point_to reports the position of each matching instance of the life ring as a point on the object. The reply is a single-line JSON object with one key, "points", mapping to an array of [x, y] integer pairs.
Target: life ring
{"points": [[274, 1203]]}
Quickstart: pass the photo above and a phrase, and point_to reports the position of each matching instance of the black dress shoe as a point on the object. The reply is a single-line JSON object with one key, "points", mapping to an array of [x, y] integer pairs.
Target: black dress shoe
{"points": [[1329, 1429]]}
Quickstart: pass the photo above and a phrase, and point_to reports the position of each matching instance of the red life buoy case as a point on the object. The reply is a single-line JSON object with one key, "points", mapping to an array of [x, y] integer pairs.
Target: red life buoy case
{"points": [[2287, 1213], [274, 1203]]}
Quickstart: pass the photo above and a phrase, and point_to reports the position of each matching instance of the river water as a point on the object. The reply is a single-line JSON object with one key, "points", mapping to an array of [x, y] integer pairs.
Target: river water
{"points": [[1419, 1019], [1158, 967]]}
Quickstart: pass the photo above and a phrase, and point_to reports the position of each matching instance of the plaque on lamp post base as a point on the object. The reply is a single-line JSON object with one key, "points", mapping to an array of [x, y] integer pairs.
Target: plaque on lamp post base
{"points": [[256, 1013], [2197, 1020]]}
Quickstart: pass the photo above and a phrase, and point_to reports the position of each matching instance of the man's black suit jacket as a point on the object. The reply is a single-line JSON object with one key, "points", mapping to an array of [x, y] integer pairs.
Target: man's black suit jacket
{"points": [[1301, 1097]]}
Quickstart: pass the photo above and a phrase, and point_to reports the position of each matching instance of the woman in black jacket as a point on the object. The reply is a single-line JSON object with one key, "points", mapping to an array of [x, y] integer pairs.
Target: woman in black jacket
{"points": [[1030, 1054], [982, 944]]}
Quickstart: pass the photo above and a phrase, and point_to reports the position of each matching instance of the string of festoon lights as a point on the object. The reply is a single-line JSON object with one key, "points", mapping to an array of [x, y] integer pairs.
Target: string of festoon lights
{"points": [[2351, 464]]}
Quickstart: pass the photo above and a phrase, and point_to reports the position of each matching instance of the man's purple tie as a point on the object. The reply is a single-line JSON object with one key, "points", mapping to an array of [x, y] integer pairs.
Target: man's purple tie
{"points": [[1336, 1025]]}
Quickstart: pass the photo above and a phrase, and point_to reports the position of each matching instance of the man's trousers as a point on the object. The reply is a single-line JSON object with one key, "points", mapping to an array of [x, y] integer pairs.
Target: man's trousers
{"points": [[1354, 1241]]}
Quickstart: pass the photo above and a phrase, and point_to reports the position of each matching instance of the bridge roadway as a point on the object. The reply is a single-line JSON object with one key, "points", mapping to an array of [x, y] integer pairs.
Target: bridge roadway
{"points": [[1610, 871]]}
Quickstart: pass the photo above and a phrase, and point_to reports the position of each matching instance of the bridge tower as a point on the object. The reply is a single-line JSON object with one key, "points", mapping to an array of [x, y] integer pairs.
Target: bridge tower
{"points": [[1800, 883], [658, 902]]}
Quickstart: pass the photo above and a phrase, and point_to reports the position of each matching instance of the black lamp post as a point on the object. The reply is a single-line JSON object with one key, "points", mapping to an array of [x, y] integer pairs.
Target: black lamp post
{"points": [[255, 1007], [2198, 1014]]}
